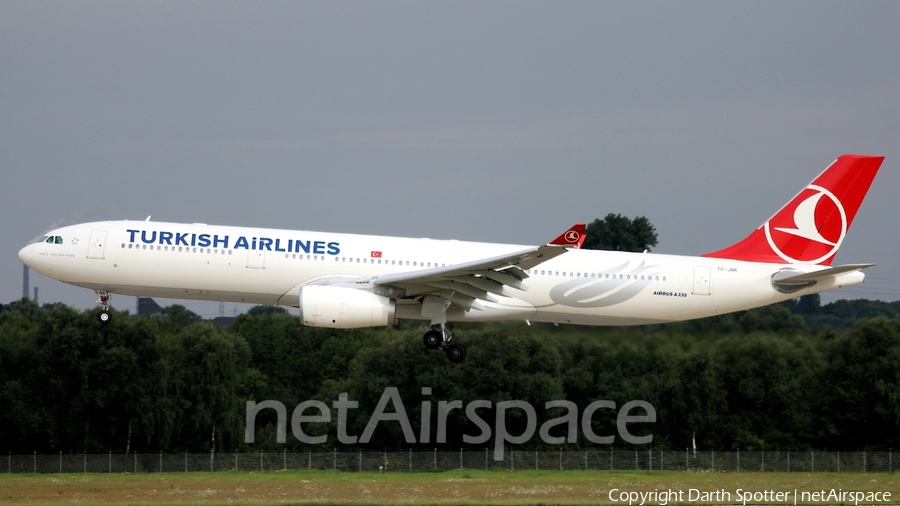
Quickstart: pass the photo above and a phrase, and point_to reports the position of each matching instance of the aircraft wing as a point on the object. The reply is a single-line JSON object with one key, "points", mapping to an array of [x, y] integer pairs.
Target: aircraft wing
{"points": [[467, 283]]}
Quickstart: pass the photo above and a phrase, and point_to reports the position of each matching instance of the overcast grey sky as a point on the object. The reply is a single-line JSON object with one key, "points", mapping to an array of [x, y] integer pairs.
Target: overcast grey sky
{"points": [[488, 121]]}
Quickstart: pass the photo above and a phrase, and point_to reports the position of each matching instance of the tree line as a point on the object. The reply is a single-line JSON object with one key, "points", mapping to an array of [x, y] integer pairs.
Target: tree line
{"points": [[791, 376]]}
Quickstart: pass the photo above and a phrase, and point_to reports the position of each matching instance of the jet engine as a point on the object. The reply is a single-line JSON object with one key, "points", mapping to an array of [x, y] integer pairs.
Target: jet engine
{"points": [[344, 308]]}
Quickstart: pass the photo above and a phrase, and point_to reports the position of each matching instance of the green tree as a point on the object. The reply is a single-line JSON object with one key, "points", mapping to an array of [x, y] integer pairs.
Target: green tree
{"points": [[178, 315], [215, 362], [697, 396], [862, 386], [771, 385], [619, 233]]}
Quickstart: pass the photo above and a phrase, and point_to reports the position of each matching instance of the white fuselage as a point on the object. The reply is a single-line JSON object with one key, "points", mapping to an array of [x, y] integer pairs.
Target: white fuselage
{"points": [[266, 266]]}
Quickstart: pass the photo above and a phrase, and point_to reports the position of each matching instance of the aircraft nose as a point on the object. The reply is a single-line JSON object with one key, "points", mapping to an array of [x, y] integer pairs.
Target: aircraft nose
{"points": [[27, 255]]}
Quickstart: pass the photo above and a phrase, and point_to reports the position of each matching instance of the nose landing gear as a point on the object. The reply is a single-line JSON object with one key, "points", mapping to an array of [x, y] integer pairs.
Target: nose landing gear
{"points": [[103, 299]]}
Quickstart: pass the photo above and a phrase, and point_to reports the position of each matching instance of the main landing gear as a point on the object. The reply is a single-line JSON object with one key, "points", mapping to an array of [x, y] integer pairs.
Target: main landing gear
{"points": [[439, 337], [103, 298]]}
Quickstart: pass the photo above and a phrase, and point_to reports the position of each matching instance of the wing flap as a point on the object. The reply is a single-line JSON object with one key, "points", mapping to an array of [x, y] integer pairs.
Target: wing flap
{"points": [[486, 284], [465, 289]]}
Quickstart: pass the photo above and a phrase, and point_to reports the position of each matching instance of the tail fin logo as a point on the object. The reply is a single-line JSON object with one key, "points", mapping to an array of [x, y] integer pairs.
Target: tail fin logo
{"points": [[806, 230], [572, 236]]}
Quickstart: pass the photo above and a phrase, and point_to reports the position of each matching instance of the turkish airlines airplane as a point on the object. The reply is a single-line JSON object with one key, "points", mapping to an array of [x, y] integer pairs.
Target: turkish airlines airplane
{"points": [[349, 281]]}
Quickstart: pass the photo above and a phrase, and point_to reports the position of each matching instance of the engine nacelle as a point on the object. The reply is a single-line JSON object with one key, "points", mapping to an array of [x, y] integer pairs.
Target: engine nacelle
{"points": [[344, 308]]}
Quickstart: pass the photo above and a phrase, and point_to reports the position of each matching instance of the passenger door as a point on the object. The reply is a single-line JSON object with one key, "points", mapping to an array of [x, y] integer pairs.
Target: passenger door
{"points": [[97, 247], [701, 280]]}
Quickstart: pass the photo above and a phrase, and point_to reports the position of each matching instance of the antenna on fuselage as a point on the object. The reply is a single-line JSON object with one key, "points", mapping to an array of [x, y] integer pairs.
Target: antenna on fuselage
{"points": [[148, 218]]}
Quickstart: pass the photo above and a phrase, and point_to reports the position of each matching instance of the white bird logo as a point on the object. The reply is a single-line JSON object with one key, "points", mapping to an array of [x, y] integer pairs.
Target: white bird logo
{"points": [[805, 221], [805, 227]]}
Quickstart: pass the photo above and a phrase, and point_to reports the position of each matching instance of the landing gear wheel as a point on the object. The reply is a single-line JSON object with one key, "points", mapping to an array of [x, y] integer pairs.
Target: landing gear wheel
{"points": [[433, 339], [103, 299], [456, 353]]}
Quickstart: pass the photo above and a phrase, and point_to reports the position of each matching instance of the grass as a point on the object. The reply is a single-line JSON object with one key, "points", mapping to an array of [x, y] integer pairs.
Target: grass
{"points": [[453, 487]]}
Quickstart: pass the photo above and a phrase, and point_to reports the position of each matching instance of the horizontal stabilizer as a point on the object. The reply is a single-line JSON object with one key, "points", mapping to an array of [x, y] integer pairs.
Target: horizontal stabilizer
{"points": [[791, 281]]}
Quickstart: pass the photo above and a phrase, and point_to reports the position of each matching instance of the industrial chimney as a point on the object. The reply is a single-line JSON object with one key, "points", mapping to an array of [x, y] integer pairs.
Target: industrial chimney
{"points": [[25, 283]]}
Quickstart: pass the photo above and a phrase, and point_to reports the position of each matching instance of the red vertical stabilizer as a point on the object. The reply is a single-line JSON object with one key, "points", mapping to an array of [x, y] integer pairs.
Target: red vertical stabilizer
{"points": [[812, 226]]}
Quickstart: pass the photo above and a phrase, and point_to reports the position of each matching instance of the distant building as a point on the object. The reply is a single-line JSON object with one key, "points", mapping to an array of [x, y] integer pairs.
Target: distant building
{"points": [[224, 322], [146, 305]]}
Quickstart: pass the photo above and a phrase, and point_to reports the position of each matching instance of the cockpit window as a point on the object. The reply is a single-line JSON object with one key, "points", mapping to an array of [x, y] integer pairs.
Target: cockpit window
{"points": [[50, 239], [59, 239], [42, 239]]}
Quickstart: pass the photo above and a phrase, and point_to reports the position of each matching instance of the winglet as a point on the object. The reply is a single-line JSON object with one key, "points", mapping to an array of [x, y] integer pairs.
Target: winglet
{"points": [[572, 238]]}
